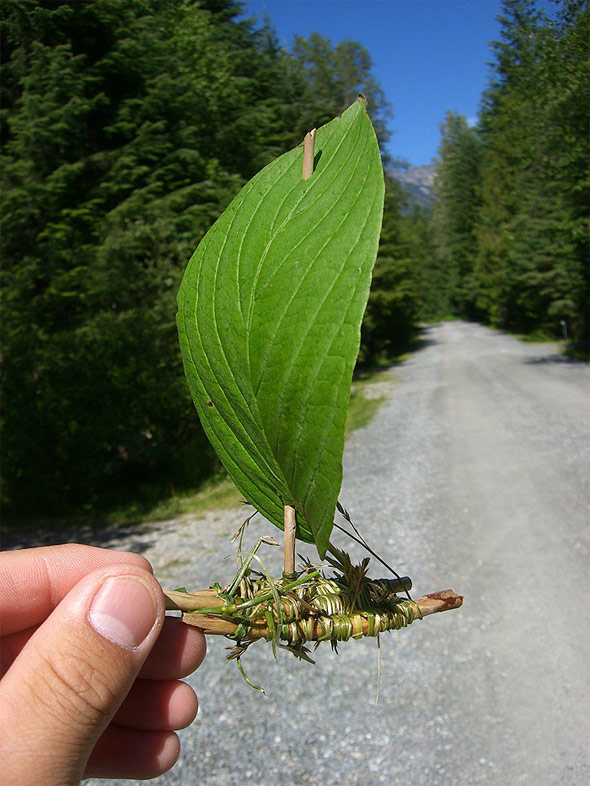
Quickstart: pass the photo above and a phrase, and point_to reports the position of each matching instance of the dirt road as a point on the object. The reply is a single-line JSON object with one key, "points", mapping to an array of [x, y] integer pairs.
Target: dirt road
{"points": [[474, 475]]}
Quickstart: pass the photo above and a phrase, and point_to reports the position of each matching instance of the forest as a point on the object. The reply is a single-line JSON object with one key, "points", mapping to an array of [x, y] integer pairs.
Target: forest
{"points": [[127, 126], [511, 221]]}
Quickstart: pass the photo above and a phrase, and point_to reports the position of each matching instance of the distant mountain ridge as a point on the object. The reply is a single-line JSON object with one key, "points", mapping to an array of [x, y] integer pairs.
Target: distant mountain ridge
{"points": [[418, 182]]}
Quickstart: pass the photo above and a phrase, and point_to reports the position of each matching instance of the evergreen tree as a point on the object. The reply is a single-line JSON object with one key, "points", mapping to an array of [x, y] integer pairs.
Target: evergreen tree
{"points": [[416, 233], [531, 267], [127, 127], [455, 212], [390, 320]]}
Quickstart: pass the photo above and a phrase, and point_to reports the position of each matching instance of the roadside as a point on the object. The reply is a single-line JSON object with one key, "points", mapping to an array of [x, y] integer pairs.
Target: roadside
{"points": [[368, 394]]}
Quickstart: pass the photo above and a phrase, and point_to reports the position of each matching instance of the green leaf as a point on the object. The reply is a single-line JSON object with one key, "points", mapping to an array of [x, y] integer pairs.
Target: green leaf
{"points": [[269, 315]]}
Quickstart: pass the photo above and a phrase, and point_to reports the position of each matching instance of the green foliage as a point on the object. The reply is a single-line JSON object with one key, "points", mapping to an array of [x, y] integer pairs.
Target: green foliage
{"points": [[269, 320], [432, 301], [127, 127], [455, 213], [511, 223], [392, 311], [106, 187]]}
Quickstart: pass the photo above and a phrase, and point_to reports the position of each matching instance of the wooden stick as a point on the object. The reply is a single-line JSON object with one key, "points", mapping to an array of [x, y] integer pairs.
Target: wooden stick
{"points": [[308, 151], [290, 523], [209, 599], [191, 601], [214, 626]]}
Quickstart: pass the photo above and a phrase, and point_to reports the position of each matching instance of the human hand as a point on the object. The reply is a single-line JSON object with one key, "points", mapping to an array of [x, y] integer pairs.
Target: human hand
{"points": [[89, 667]]}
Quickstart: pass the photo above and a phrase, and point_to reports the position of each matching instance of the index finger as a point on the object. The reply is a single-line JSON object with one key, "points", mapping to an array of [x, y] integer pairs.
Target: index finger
{"points": [[34, 581]]}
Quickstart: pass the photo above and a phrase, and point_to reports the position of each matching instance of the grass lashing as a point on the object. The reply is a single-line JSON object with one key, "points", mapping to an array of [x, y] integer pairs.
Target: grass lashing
{"points": [[303, 607], [298, 608]]}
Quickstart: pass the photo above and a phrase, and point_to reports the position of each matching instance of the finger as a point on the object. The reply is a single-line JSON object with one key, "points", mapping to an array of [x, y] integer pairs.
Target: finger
{"points": [[128, 753], [70, 679], [34, 581], [155, 705], [10, 647], [180, 650]]}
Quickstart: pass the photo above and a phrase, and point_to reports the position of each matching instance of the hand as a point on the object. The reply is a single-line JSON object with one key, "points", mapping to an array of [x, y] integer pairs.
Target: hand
{"points": [[89, 667]]}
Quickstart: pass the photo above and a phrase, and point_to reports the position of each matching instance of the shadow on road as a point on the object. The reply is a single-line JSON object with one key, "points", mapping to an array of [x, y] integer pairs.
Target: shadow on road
{"points": [[423, 340], [556, 359], [19, 536]]}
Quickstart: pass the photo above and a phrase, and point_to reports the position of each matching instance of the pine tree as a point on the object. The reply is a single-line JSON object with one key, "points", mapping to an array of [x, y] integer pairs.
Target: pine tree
{"points": [[531, 267], [390, 321], [127, 127], [455, 213]]}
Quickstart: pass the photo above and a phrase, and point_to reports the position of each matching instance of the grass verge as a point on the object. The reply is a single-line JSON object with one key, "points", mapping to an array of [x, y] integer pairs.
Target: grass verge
{"points": [[218, 493], [365, 399]]}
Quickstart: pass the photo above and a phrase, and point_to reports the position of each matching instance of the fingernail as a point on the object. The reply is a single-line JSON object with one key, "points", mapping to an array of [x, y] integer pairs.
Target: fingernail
{"points": [[123, 611]]}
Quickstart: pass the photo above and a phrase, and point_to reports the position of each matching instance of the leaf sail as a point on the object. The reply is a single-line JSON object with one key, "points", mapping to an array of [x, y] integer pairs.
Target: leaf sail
{"points": [[269, 315]]}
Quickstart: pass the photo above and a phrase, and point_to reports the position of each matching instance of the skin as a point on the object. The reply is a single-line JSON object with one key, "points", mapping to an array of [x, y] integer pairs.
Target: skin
{"points": [[76, 702]]}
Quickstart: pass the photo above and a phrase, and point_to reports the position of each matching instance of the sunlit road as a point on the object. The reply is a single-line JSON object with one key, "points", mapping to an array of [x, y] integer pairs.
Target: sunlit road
{"points": [[474, 476]]}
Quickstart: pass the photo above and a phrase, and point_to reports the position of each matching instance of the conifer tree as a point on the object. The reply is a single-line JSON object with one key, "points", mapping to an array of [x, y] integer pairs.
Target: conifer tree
{"points": [[511, 220], [391, 316], [127, 127], [455, 212]]}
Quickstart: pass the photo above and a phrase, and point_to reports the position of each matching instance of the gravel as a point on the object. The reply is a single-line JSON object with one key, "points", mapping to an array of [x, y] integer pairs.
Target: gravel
{"points": [[473, 476]]}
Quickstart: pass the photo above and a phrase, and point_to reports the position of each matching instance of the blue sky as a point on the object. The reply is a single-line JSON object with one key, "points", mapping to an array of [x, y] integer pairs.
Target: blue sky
{"points": [[429, 55]]}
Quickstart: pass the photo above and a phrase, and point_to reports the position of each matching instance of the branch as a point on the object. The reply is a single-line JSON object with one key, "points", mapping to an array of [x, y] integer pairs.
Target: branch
{"points": [[308, 150], [209, 599], [218, 626], [290, 527]]}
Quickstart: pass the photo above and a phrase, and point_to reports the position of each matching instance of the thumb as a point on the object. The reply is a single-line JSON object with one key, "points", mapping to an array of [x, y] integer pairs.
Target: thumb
{"points": [[67, 683]]}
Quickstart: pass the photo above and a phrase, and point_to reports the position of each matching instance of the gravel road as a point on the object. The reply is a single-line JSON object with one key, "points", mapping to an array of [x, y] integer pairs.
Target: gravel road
{"points": [[473, 476]]}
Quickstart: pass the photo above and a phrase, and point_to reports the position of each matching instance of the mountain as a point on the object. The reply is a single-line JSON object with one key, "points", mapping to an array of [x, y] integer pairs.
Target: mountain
{"points": [[418, 183]]}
